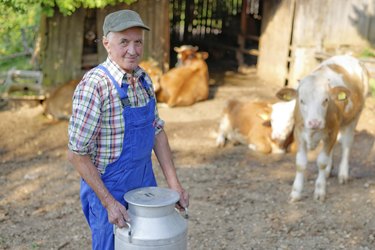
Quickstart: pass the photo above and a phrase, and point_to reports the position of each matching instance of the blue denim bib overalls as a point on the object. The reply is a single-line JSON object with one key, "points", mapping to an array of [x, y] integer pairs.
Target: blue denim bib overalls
{"points": [[133, 169]]}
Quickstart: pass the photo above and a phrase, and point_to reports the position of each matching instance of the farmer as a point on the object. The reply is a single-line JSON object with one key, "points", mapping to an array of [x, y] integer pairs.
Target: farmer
{"points": [[113, 129]]}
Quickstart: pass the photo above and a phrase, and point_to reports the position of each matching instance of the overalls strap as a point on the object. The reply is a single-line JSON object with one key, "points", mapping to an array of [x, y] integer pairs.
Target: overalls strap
{"points": [[122, 92]]}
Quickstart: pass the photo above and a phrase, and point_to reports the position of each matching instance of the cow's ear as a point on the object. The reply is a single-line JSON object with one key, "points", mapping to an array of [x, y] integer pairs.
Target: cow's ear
{"points": [[340, 93], [266, 119], [204, 55], [286, 94], [267, 123]]}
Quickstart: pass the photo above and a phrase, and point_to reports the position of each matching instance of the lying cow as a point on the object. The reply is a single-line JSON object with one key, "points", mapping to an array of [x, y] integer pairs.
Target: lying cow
{"points": [[329, 101], [282, 123], [249, 123], [151, 67], [58, 105], [186, 84]]}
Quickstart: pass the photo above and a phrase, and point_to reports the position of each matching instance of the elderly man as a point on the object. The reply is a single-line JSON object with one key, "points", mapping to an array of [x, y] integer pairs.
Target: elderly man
{"points": [[113, 129]]}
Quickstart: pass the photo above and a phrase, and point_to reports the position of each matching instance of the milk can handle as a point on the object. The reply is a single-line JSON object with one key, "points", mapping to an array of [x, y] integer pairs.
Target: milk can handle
{"points": [[186, 213], [129, 230]]}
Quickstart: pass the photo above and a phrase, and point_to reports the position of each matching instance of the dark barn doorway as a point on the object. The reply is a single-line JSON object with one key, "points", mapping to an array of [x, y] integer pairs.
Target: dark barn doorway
{"points": [[228, 30]]}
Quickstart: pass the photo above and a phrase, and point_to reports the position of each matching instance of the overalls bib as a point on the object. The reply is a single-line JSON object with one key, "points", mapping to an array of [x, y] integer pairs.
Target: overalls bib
{"points": [[133, 169]]}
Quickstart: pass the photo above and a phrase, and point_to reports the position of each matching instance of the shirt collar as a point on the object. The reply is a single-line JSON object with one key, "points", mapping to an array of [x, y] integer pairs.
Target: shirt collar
{"points": [[119, 74]]}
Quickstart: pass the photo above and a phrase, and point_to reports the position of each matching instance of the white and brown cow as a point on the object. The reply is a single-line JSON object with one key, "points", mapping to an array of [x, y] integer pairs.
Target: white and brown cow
{"points": [[282, 123], [249, 123], [329, 101]]}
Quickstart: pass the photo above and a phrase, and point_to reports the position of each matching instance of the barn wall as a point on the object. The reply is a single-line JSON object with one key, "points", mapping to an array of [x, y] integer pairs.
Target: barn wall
{"points": [[327, 26], [62, 53], [339, 27], [274, 41], [63, 42]]}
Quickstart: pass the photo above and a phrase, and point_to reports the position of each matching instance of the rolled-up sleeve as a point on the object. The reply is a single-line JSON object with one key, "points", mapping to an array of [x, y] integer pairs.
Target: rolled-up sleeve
{"points": [[159, 123], [85, 119]]}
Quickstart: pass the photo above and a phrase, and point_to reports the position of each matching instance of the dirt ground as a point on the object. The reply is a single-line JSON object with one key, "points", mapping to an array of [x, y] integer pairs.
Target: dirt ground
{"points": [[239, 199]]}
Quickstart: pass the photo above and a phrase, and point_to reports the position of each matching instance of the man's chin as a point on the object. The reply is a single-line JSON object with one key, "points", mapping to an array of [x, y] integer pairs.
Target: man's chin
{"points": [[129, 67]]}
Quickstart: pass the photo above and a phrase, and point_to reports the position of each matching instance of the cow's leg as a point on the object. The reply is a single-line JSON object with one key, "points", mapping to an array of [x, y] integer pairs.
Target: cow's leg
{"points": [[301, 164], [329, 165], [224, 127], [259, 143], [324, 162], [347, 137]]}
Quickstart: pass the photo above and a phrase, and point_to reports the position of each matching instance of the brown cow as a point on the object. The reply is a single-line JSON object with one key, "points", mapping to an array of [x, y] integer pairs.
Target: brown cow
{"points": [[186, 84], [58, 105], [151, 67]]}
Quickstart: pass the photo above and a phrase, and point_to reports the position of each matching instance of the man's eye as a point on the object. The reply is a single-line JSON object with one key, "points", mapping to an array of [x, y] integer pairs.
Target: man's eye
{"points": [[138, 43], [124, 43]]}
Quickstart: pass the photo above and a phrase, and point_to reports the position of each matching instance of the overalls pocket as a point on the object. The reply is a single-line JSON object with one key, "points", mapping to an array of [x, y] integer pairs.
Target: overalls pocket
{"points": [[142, 142]]}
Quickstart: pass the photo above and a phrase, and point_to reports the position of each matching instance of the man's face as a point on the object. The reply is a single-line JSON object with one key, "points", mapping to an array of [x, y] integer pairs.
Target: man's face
{"points": [[125, 47]]}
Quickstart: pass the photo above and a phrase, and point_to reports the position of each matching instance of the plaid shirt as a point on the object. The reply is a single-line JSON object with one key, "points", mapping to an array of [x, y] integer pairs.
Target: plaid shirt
{"points": [[97, 126]]}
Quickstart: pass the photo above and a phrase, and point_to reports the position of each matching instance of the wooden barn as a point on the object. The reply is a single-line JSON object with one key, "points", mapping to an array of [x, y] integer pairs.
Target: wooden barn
{"points": [[71, 44], [283, 38], [297, 34]]}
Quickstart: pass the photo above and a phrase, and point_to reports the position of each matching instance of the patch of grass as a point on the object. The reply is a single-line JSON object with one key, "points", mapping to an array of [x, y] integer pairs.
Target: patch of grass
{"points": [[366, 53], [372, 86], [35, 246]]}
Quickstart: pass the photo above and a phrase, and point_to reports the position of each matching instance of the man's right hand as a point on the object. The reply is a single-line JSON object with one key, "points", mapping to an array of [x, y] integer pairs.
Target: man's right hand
{"points": [[117, 213]]}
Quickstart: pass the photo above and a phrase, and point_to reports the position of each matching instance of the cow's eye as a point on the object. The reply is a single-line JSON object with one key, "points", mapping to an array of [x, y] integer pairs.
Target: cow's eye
{"points": [[301, 101], [325, 102]]}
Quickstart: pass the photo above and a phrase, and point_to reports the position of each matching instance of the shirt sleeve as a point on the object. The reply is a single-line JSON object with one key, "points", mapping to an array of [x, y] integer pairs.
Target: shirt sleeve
{"points": [[159, 123], [85, 119]]}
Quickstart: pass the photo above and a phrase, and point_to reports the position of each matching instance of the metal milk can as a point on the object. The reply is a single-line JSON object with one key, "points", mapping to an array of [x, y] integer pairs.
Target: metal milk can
{"points": [[155, 223]]}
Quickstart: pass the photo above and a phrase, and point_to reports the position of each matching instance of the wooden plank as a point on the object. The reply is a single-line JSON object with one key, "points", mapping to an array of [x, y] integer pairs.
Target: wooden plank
{"points": [[275, 40], [337, 25], [339, 22], [60, 51], [74, 45]]}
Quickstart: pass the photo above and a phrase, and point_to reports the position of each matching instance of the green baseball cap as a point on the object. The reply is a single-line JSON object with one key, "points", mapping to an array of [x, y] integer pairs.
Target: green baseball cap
{"points": [[122, 20]]}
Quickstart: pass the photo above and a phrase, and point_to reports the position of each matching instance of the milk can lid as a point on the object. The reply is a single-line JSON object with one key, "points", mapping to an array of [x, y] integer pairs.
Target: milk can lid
{"points": [[152, 197]]}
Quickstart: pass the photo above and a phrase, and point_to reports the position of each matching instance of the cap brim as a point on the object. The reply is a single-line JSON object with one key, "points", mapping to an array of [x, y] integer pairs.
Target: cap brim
{"points": [[128, 26]]}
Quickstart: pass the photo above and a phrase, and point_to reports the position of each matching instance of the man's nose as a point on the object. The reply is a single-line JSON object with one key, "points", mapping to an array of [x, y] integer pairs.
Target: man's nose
{"points": [[131, 48]]}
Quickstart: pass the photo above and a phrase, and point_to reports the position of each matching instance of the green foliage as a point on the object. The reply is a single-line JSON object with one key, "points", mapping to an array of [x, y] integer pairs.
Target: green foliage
{"points": [[20, 20], [22, 63], [66, 7], [366, 53], [13, 23], [372, 87]]}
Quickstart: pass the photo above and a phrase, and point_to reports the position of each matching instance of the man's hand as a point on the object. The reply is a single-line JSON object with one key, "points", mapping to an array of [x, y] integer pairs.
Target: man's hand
{"points": [[117, 213], [184, 199]]}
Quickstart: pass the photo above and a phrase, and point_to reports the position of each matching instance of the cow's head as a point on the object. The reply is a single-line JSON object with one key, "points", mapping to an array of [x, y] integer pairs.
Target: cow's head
{"points": [[184, 53], [282, 120], [314, 96]]}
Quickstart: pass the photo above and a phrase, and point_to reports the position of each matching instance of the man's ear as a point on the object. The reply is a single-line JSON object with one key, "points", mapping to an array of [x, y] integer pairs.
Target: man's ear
{"points": [[105, 43]]}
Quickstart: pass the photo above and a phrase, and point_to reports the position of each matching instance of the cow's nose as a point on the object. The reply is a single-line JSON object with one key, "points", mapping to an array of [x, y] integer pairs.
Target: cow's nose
{"points": [[314, 123]]}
